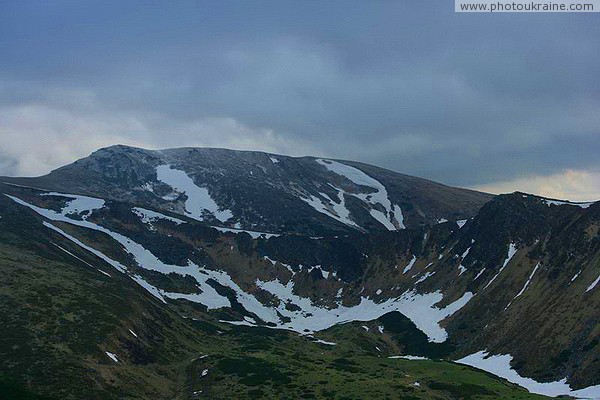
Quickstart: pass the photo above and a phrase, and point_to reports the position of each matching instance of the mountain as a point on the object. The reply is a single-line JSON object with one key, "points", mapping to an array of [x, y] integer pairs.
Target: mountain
{"points": [[75, 327], [134, 293], [263, 192]]}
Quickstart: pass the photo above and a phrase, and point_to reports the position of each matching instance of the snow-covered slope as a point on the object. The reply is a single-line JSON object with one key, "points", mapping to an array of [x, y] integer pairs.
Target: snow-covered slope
{"points": [[304, 317]]}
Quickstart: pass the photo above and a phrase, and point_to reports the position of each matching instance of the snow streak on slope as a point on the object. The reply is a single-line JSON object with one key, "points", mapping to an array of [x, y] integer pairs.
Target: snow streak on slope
{"points": [[198, 199], [392, 218], [512, 250], [499, 365], [425, 276], [410, 264], [73, 255], [461, 268], [332, 209], [118, 266], [95, 252], [593, 285], [524, 286], [112, 356], [399, 216], [340, 208], [413, 358], [528, 281], [149, 216], [461, 222], [254, 234]]}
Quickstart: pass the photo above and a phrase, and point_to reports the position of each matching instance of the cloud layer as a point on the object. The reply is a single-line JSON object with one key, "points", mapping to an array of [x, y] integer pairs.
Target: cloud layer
{"points": [[568, 185], [466, 99]]}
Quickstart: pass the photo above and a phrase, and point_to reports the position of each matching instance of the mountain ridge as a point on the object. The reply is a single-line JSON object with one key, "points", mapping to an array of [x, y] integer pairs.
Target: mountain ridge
{"points": [[515, 285], [309, 197]]}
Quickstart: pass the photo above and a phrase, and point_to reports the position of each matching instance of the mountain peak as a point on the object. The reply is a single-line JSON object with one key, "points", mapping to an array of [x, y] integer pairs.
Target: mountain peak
{"points": [[263, 191]]}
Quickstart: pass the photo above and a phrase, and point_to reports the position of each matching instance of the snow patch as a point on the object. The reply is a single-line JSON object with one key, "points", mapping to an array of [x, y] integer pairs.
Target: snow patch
{"points": [[461, 267], [499, 365], [425, 276], [112, 356], [119, 267], [410, 264], [287, 266], [254, 234], [337, 211], [78, 204], [465, 253], [593, 285], [524, 286], [149, 216], [399, 216], [419, 308], [461, 223], [479, 273], [550, 202], [512, 250], [392, 217], [410, 357], [325, 342], [198, 199]]}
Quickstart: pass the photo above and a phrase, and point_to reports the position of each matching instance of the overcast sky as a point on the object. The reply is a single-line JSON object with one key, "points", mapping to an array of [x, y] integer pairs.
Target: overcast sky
{"points": [[498, 102]]}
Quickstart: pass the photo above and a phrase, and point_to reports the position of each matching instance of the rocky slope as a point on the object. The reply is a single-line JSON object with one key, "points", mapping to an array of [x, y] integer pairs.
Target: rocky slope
{"points": [[75, 327], [264, 192], [514, 289]]}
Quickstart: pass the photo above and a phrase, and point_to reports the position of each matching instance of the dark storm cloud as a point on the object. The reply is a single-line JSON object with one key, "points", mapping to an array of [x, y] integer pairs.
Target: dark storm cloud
{"points": [[465, 99]]}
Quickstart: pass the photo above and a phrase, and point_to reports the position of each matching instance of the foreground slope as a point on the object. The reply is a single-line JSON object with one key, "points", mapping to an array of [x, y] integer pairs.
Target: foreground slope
{"points": [[263, 192], [74, 326]]}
